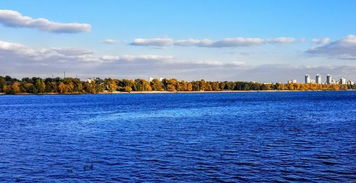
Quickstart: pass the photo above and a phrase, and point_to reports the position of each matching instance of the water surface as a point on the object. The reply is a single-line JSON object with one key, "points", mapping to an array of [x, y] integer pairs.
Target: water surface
{"points": [[211, 137]]}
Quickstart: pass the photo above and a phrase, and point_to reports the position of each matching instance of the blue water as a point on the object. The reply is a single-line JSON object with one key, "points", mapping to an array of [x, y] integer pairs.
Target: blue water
{"points": [[222, 137]]}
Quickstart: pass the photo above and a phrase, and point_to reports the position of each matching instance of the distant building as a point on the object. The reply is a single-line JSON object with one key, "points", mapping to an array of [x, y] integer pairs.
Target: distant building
{"points": [[151, 78], [329, 79], [307, 78], [349, 82], [292, 81], [342, 81], [318, 79], [90, 80]]}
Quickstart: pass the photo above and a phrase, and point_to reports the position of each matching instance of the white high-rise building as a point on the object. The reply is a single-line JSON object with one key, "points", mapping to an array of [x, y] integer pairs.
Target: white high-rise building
{"points": [[343, 81], [318, 79], [307, 78], [329, 79]]}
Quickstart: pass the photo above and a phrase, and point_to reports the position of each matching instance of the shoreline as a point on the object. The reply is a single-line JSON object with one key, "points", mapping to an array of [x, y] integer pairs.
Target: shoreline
{"points": [[176, 92]]}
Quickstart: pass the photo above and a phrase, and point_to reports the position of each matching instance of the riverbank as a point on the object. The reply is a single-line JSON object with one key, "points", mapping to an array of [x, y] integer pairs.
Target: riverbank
{"points": [[170, 92], [223, 91]]}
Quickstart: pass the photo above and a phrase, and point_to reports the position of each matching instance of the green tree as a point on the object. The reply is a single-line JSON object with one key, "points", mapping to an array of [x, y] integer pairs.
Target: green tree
{"points": [[40, 85], [195, 85], [51, 87]]}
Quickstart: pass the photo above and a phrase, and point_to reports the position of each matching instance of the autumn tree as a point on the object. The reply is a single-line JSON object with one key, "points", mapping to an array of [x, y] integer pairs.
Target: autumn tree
{"points": [[156, 85], [62, 88], [13, 88], [111, 84], [215, 86], [170, 84], [127, 89], [189, 86], [142, 85], [2, 84], [74, 85], [182, 86]]}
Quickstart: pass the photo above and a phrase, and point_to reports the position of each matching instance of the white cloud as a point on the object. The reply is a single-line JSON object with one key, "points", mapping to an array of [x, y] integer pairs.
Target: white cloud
{"points": [[133, 58], [217, 63], [15, 48], [158, 42], [344, 48], [281, 40], [237, 42], [324, 40], [12, 18], [193, 42], [10, 50], [226, 42], [109, 41]]}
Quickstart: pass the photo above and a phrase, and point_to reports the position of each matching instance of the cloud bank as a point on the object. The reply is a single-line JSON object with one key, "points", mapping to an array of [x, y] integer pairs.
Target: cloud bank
{"points": [[15, 19], [226, 42], [19, 58], [14, 51], [21, 61], [344, 48]]}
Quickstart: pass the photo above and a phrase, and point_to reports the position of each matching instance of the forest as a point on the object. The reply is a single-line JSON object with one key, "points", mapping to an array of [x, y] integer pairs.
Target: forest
{"points": [[36, 85]]}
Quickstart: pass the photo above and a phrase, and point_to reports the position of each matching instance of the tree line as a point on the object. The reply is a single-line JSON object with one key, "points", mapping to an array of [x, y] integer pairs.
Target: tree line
{"points": [[36, 85]]}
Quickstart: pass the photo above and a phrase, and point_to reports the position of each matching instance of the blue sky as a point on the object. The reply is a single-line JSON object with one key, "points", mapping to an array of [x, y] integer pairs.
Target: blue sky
{"points": [[229, 53]]}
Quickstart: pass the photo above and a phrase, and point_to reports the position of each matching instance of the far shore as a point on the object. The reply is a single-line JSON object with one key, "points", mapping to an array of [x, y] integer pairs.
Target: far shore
{"points": [[168, 92]]}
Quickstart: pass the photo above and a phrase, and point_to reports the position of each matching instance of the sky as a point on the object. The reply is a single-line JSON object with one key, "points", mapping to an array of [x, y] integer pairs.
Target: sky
{"points": [[255, 40]]}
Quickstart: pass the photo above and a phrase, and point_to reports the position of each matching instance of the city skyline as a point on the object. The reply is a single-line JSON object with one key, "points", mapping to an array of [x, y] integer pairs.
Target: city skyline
{"points": [[328, 80], [264, 41]]}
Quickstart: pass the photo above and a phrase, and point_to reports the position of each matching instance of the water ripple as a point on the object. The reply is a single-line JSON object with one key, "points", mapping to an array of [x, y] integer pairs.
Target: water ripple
{"points": [[227, 137]]}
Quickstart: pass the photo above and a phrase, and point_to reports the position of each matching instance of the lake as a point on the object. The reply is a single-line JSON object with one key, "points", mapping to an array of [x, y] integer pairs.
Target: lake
{"points": [[188, 137]]}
